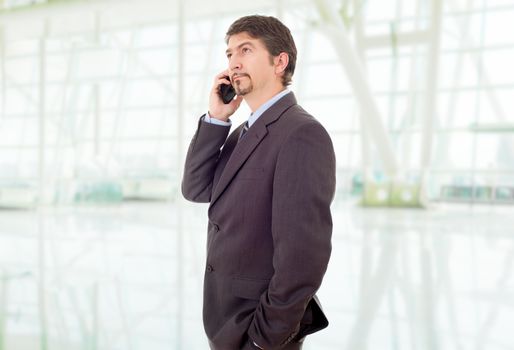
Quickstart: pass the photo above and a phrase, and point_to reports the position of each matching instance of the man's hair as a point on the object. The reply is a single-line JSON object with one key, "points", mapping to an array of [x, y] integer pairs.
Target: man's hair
{"points": [[274, 34]]}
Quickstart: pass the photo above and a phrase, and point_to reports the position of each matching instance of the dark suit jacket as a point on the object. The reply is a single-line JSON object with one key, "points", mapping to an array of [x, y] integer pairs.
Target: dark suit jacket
{"points": [[270, 225]]}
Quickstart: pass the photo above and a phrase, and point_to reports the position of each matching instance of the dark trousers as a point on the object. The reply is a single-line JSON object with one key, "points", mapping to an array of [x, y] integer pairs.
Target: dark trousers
{"points": [[293, 346], [249, 346]]}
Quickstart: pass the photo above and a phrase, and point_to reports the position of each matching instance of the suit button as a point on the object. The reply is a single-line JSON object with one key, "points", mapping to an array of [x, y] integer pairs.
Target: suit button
{"points": [[216, 228], [210, 268]]}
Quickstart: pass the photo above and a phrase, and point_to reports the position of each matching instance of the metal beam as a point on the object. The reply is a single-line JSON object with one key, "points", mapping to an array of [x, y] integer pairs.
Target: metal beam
{"points": [[365, 141], [431, 88], [181, 39], [121, 100], [336, 33], [96, 96], [399, 39], [42, 114], [2, 71]]}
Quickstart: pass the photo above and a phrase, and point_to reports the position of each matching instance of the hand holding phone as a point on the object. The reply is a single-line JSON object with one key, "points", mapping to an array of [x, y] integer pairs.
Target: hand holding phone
{"points": [[223, 100], [227, 92]]}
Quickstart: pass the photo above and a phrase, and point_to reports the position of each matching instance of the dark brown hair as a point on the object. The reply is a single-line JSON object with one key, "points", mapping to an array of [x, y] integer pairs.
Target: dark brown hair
{"points": [[274, 34]]}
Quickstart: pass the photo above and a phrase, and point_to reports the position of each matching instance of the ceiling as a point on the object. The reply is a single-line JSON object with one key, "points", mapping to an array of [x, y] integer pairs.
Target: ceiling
{"points": [[63, 16]]}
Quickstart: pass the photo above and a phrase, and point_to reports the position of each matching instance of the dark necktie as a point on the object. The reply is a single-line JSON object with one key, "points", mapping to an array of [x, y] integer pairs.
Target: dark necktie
{"points": [[243, 130]]}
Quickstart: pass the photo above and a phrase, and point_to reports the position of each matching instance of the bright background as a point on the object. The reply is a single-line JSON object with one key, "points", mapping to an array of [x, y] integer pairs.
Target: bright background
{"points": [[100, 98]]}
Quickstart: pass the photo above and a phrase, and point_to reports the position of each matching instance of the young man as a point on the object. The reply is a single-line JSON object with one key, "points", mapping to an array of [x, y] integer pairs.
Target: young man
{"points": [[270, 185]]}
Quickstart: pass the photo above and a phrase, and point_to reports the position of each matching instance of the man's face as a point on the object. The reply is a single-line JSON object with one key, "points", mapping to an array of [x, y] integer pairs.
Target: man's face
{"points": [[249, 64]]}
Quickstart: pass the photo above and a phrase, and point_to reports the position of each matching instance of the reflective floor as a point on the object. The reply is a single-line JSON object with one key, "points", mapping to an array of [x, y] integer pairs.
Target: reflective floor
{"points": [[129, 277]]}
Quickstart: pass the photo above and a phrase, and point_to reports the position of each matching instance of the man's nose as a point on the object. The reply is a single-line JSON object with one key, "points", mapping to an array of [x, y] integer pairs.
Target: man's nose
{"points": [[234, 65]]}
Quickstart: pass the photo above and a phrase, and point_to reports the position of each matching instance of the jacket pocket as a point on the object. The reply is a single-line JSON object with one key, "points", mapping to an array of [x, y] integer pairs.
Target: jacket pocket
{"points": [[249, 288]]}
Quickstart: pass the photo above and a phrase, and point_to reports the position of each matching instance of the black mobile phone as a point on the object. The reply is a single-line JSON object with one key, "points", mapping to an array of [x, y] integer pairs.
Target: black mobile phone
{"points": [[227, 92]]}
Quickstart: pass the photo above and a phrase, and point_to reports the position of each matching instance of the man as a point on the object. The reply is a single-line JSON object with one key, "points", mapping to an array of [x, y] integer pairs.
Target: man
{"points": [[270, 185]]}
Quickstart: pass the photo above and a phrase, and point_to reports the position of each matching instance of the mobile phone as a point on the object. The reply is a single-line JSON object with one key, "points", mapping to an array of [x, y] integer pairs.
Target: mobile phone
{"points": [[227, 92]]}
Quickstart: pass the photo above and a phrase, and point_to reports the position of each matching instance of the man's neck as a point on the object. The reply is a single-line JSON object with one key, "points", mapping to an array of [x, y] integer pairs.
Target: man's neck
{"points": [[254, 102]]}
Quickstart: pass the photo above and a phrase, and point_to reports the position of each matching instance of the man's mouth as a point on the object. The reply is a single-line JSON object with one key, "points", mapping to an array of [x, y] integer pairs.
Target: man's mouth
{"points": [[237, 76]]}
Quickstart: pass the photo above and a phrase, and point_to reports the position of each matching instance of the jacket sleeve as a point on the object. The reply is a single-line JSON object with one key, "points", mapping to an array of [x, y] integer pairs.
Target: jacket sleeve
{"points": [[201, 160], [303, 188]]}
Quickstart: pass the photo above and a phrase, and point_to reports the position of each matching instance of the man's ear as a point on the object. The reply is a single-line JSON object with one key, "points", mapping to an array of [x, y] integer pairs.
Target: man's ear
{"points": [[281, 61]]}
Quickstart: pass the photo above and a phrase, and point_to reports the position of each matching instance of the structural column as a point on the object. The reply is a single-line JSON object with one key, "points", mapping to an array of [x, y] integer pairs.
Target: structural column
{"points": [[180, 163], [431, 89]]}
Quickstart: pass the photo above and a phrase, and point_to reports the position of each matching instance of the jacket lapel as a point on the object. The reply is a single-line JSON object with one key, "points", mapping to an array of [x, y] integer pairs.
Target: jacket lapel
{"points": [[249, 142]]}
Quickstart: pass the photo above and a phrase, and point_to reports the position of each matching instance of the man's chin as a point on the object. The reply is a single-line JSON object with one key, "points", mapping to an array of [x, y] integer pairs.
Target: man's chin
{"points": [[242, 92]]}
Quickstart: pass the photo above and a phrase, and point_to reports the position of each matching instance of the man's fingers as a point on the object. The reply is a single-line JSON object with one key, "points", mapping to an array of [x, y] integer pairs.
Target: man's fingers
{"points": [[219, 81], [221, 75]]}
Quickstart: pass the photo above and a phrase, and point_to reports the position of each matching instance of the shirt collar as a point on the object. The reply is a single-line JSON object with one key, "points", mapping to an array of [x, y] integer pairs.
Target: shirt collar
{"points": [[265, 106]]}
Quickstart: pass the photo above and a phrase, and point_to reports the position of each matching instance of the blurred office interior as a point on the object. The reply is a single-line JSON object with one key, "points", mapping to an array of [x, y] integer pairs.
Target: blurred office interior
{"points": [[100, 98]]}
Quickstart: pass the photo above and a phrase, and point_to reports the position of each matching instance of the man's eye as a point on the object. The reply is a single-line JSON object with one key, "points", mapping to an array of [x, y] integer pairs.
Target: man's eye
{"points": [[245, 50], [229, 55]]}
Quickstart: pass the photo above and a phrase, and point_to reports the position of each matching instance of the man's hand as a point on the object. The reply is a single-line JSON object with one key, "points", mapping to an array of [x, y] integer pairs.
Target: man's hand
{"points": [[217, 109]]}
